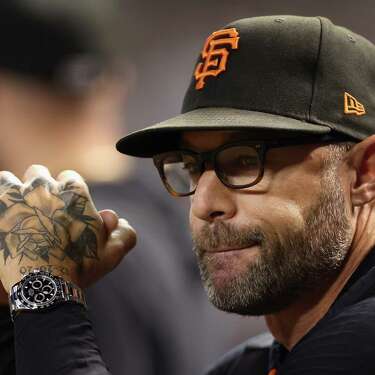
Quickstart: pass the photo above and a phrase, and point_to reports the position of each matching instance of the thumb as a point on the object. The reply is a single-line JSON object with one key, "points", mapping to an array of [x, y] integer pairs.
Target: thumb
{"points": [[120, 234], [110, 220], [119, 242]]}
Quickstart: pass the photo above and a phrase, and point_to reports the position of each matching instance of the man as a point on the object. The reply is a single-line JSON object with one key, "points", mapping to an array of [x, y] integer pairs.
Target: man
{"points": [[275, 149]]}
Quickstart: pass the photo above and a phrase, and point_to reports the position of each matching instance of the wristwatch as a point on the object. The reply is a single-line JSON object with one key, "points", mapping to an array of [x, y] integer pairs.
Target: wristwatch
{"points": [[40, 290]]}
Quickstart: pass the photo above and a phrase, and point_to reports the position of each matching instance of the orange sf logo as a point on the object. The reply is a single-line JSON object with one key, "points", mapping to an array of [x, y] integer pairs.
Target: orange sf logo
{"points": [[214, 57]]}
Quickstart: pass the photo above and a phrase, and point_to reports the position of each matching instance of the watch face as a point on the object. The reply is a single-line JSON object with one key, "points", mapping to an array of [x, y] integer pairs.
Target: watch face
{"points": [[38, 290]]}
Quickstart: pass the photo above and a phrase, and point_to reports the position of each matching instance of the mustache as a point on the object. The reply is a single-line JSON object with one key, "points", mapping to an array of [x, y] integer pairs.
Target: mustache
{"points": [[225, 235]]}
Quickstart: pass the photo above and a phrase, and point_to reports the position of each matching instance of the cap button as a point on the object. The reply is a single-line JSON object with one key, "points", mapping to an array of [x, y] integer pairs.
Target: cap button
{"points": [[351, 38], [279, 20]]}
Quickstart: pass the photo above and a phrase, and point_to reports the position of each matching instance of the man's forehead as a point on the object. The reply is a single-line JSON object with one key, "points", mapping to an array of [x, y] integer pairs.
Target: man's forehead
{"points": [[207, 139]]}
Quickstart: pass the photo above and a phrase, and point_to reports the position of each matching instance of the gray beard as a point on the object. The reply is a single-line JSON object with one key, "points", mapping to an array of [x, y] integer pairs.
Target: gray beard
{"points": [[288, 265]]}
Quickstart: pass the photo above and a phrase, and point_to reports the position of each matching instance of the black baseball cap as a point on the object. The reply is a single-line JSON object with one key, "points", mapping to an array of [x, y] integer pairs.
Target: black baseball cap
{"points": [[283, 75], [67, 44]]}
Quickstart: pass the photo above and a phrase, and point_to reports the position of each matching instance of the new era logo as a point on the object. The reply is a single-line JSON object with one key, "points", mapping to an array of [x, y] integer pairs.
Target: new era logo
{"points": [[352, 106]]}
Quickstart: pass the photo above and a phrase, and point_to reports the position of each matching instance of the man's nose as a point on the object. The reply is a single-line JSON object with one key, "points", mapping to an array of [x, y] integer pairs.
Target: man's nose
{"points": [[212, 200]]}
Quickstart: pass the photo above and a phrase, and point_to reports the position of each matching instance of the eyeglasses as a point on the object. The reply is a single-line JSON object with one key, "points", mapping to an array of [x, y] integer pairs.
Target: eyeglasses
{"points": [[238, 165]]}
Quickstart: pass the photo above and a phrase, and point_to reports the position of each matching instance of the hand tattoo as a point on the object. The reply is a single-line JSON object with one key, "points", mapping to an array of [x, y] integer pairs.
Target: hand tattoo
{"points": [[51, 268], [37, 224]]}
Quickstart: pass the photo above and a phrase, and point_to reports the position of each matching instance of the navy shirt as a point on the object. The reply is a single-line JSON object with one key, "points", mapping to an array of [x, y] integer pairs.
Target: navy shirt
{"points": [[342, 342], [7, 362], [61, 341]]}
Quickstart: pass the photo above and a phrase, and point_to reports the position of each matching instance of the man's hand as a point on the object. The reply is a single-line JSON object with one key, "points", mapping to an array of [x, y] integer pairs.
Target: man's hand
{"points": [[53, 225]]}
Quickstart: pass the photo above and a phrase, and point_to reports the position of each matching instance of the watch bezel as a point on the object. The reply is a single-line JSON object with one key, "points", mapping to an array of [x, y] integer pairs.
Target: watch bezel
{"points": [[37, 274]]}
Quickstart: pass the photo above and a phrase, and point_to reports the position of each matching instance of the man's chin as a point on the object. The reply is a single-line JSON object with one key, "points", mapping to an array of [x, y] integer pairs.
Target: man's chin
{"points": [[237, 305], [229, 293]]}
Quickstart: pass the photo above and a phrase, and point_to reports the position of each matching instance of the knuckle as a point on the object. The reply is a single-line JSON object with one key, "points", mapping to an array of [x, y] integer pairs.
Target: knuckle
{"points": [[6, 173], [77, 187], [71, 180], [8, 181], [39, 181], [69, 173], [37, 168], [5, 176], [36, 171]]}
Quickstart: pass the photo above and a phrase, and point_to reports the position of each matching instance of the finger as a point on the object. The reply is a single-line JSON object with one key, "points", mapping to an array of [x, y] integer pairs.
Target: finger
{"points": [[110, 220], [86, 226], [71, 180], [8, 179], [119, 243], [10, 187], [38, 175], [37, 171], [74, 192], [124, 237]]}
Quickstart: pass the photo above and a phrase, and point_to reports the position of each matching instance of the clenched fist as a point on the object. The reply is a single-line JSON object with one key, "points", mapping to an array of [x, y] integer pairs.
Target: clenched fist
{"points": [[52, 224]]}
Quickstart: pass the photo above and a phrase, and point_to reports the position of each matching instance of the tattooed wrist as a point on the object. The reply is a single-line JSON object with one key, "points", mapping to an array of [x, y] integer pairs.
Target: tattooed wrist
{"points": [[51, 268]]}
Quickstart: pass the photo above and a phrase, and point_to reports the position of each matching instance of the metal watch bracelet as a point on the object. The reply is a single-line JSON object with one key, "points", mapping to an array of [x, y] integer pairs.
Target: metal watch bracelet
{"points": [[39, 290]]}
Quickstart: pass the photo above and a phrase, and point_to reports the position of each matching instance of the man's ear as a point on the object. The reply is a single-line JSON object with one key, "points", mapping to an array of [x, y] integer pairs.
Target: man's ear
{"points": [[362, 160]]}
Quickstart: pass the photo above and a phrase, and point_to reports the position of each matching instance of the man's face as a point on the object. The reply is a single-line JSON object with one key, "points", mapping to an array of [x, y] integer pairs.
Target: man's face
{"points": [[260, 248]]}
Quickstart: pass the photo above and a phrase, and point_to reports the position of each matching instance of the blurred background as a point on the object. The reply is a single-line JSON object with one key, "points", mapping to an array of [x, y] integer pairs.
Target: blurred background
{"points": [[74, 78], [170, 34]]}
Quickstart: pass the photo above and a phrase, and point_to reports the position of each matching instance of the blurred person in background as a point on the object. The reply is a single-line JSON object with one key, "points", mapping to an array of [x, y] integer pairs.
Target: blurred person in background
{"points": [[62, 95]]}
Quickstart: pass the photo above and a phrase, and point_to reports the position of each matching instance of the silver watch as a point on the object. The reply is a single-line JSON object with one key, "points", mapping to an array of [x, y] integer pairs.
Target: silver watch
{"points": [[39, 290]]}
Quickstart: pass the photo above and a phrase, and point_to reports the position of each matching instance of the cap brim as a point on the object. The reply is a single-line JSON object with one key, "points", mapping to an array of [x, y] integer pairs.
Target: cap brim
{"points": [[165, 136]]}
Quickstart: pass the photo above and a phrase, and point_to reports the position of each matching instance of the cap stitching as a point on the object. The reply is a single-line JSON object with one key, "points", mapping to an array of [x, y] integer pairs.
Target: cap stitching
{"points": [[316, 69]]}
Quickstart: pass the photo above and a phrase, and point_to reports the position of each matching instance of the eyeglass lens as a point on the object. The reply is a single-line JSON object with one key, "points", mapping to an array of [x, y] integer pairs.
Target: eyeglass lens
{"points": [[235, 166]]}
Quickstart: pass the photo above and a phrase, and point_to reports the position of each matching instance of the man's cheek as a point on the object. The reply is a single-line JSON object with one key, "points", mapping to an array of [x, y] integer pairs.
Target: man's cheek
{"points": [[274, 215]]}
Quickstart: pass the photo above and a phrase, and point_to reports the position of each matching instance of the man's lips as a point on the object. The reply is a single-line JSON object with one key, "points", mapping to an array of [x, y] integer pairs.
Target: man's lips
{"points": [[230, 249]]}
